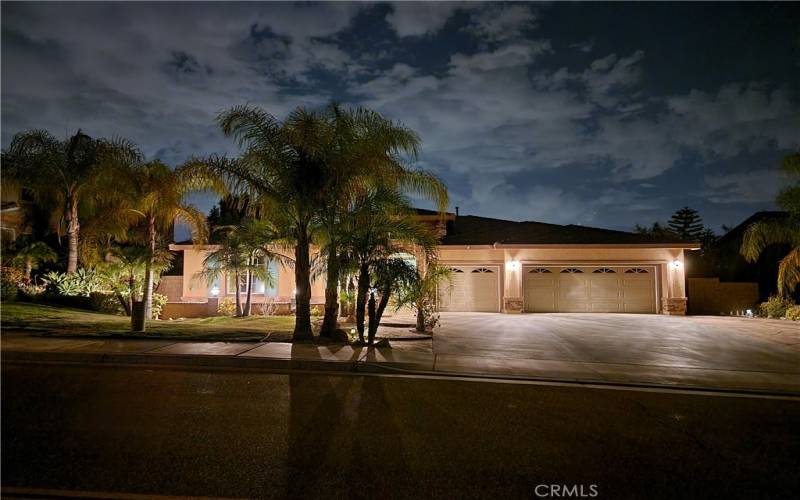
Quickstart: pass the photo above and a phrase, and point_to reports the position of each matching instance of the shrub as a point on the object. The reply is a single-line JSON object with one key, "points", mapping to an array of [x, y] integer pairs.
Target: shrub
{"points": [[774, 307], [227, 307], [10, 281], [159, 301], [106, 302], [269, 307], [31, 290], [793, 313], [80, 283], [316, 311]]}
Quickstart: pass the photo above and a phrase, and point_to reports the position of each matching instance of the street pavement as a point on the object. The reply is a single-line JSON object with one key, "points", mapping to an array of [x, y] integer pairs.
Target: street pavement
{"points": [[112, 430]]}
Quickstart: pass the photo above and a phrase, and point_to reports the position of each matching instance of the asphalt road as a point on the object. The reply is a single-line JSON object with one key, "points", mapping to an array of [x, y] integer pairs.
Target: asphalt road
{"points": [[273, 435]]}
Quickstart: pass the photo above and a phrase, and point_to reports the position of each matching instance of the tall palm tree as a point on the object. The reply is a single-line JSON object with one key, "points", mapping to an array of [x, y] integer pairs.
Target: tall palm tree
{"points": [[32, 255], [765, 233], [64, 174], [366, 150], [158, 198], [281, 172]]}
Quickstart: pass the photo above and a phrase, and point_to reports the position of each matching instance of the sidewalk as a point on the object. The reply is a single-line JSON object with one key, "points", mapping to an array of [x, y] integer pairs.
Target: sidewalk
{"points": [[286, 356]]}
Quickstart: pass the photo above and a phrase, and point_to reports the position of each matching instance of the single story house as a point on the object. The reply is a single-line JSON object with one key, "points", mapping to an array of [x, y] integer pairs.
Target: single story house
{"points": [[505, 266]]}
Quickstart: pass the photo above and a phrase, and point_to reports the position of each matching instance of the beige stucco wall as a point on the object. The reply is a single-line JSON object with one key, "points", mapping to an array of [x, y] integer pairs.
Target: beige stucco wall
{"points": [[669, 278], [196, 289]]}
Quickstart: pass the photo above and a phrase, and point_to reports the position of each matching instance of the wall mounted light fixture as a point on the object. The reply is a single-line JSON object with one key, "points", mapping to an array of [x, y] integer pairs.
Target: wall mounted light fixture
{"points": [[514, 265]]}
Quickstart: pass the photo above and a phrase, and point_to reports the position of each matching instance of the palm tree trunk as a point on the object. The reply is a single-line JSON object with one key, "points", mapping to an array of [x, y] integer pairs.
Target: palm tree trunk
{"points": [[28, 269], [420, 319], [351, 306], [248, 305], [375, 321], [148, 270], [371, 328], [302, 282], [329, 322], [238, 296], [361, 299], [344, 305], [73, 230]]}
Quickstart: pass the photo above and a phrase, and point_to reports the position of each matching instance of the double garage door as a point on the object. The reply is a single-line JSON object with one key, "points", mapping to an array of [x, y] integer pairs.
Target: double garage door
{"points": [[627, 289], [590, 289]]}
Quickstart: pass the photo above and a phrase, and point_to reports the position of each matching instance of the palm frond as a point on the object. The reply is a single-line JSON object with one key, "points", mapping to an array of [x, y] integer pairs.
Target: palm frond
{"points": [[760, 235], [789, 272]]}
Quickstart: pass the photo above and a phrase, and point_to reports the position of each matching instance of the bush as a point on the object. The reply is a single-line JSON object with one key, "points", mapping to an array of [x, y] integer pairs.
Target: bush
{"points": [[227, 307], [316, 311], [80, 283], [106, 302], [774, 307], [10, 280], [158, 304], [793, 313], [32, 291]]}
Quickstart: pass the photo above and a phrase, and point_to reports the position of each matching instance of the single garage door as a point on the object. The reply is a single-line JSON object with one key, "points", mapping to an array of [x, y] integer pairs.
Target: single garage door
{"points": [[472, 289], [590, 289]]}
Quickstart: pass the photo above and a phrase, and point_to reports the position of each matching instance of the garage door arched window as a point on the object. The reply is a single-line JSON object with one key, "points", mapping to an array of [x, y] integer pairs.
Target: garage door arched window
{"points": [[456, 270], [571, 270], [636, 270], [482, 270], [539, 270], [603, 270]]}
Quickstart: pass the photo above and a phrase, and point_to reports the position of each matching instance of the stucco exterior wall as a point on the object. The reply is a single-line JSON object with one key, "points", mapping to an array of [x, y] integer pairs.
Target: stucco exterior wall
{"points": [[196, 289], [670, 278]]}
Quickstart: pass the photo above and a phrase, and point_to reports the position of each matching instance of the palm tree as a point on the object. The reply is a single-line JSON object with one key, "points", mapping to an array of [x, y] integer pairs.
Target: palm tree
{"points": [[380, 224], [762, 234], [366, 150], [64, 174], [158, 199], [230, 260], [281, 172], [420, 293], [256, 240], [389, 277], [32, 255], [125, 269]]}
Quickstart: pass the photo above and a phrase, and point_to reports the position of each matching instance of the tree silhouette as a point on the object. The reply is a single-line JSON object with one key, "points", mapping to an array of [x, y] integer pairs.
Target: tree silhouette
{"points": [[687, 224]]}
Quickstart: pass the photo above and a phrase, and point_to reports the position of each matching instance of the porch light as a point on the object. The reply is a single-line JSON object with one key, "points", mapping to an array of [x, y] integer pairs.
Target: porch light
{"points": [[215, 291], [676, 264], [294, 292], [514, 265]]}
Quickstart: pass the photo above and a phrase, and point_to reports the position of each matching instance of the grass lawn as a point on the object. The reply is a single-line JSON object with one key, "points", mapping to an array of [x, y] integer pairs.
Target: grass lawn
{"points": [[61, 321]]}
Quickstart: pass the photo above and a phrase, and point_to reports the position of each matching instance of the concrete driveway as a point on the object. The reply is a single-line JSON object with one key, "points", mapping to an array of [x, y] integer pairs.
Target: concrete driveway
{"points": [[647, 340]]}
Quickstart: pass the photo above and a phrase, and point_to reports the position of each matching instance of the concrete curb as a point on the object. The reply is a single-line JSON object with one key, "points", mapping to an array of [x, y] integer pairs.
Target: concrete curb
{"points": [[178, 360], [351, 366]]}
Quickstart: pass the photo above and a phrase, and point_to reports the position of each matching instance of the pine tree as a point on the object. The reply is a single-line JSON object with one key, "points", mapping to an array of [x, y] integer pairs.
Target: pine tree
{"points": [[687, 224]]}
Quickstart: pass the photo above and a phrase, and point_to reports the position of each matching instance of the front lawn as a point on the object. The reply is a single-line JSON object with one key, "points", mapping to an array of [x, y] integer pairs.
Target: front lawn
{"points": [[60, 321]]}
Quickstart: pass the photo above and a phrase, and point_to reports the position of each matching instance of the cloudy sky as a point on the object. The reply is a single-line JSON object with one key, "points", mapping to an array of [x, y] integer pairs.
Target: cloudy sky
{"points": [[594, 114]]}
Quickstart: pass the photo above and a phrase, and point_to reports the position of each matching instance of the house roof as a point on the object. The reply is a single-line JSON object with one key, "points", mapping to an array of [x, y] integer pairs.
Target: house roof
{"points": [[737, 232], [473, 230]]}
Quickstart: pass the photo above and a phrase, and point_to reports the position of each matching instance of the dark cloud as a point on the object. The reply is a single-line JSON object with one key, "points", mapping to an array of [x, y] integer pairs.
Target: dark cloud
{"points": [[566, 113]]}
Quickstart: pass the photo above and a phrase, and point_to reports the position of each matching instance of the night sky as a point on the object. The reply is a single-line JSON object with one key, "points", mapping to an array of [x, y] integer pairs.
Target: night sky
{"points": [[596, 114]]}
